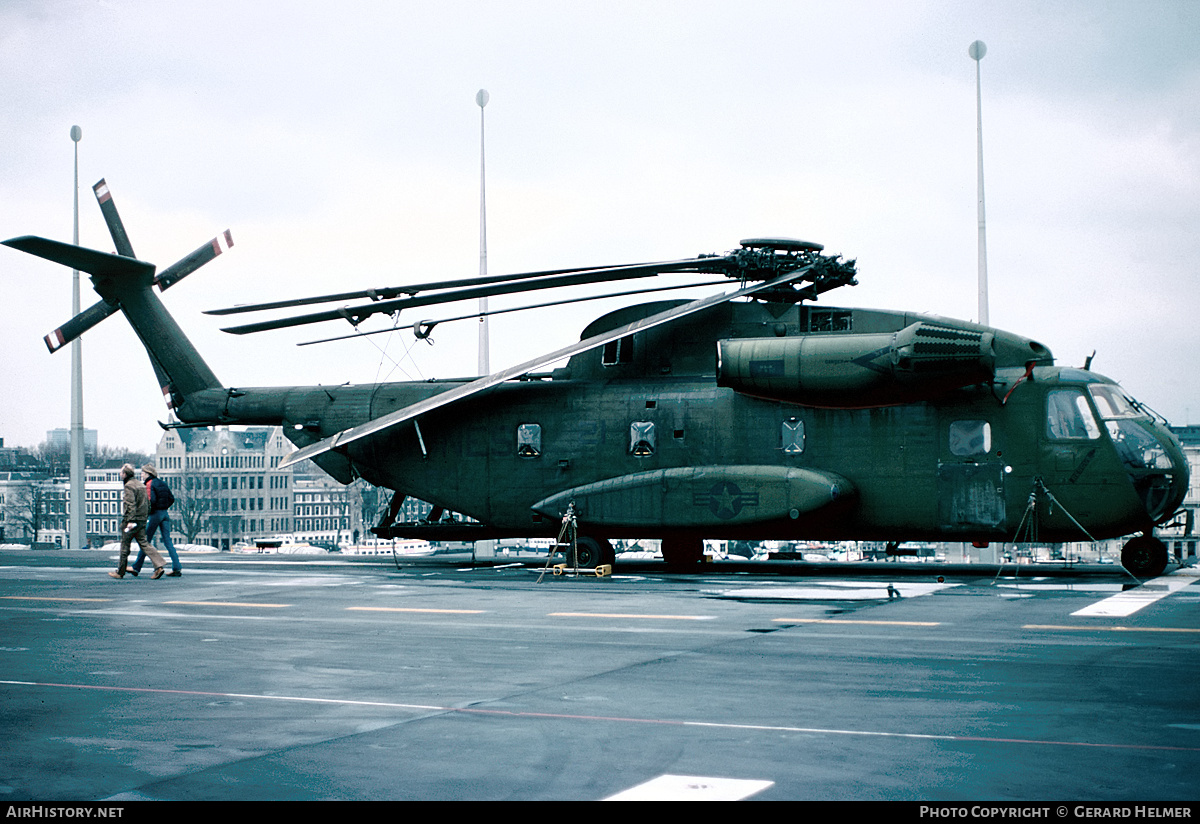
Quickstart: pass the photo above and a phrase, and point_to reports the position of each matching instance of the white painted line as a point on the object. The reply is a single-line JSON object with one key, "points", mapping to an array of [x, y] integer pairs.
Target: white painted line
{"points": [[1126, 603], [1071, 587], [628, 615], [692, 788], [831, 591], [658, 722]]}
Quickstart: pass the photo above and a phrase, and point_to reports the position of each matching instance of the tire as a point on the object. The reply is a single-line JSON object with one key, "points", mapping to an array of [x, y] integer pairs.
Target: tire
{"points": [[592, 552], [1144, 556]]}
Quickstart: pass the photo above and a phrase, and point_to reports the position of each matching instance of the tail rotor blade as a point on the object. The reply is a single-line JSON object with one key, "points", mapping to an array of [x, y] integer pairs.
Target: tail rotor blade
{"points": [[178, 271], [79, 324], [115, 227]]}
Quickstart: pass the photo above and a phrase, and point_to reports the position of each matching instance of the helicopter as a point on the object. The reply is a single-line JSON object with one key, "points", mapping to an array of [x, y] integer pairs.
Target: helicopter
{"points": [[750, 414]]}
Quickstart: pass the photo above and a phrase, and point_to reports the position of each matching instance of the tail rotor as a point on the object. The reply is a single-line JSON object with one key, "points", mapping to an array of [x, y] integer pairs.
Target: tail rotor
{"points": [[111, 304]]}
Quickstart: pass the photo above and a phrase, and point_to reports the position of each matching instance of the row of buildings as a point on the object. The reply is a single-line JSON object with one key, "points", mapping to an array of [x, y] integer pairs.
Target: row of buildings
{"points": [[228, 487]]}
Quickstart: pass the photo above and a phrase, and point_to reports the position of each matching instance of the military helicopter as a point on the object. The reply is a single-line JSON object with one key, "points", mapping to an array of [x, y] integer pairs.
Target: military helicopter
{"points": [[750, 414]]}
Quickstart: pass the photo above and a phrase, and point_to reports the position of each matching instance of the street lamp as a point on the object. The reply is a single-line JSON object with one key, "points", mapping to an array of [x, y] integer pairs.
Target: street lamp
{"points": [[77, 470], [481, 99], [976, 51]]}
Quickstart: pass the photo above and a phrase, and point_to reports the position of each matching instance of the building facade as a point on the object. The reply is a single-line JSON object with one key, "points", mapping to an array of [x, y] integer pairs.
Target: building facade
{"points": [[38, 509], [1182, 542], [227, 484], [229, 490]]}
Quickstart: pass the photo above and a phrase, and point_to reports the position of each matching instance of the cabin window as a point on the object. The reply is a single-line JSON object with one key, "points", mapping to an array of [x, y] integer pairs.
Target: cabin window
{"points": [[793, 436], [1068, 416], [618, 351], [827, 320], [529, 440], [642, 439], [969, 438]]}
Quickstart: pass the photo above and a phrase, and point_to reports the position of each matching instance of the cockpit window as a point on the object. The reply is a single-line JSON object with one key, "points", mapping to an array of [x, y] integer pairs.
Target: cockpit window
{"points": [[1111, 403], [1068, 416]]}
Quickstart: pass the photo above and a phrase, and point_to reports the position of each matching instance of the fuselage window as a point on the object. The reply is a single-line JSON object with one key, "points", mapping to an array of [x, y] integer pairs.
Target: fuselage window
{"points": [[793, 436], [642, 439], [970, 438], [1068, 416], [529, 440]]}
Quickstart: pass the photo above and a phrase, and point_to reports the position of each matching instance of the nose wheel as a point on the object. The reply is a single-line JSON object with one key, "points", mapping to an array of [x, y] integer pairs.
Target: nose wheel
{"points": [[1144, 556], [592, 552]]}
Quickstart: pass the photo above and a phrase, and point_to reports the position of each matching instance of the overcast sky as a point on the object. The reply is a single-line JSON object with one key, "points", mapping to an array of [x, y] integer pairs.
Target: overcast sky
{"points": [[340, 144]]}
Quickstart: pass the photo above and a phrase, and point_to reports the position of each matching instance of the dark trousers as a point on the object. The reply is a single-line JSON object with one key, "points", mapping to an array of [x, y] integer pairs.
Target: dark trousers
{"points": [[159, 519]]}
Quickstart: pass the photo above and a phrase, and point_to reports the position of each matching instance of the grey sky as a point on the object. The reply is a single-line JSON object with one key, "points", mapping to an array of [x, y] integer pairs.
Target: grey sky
{"points": [[340, 146]]}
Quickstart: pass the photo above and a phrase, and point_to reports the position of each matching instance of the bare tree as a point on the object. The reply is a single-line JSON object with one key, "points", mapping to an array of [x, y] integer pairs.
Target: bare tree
{"points": [[55, 457], [26, 508], [191, 511], [115, 456], [374, 502]]}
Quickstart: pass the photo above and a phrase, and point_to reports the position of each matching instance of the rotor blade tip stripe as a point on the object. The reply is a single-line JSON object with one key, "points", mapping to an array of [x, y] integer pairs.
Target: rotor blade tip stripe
{"points": [[102, 193], [222, 242], [54, 340]]}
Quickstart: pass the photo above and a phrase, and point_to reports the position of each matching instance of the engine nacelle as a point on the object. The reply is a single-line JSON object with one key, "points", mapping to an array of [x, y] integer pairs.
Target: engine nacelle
{"points": [[921, 361]]}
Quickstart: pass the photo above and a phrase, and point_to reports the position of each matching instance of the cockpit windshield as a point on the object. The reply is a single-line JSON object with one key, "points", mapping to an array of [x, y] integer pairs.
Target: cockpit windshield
{"points": [[1111, 403], [1138, 448]]}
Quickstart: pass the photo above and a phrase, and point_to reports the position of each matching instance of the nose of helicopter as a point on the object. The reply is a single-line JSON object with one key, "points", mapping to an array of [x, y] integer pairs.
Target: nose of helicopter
{"points": [[1165, 487], [1181, 472]]}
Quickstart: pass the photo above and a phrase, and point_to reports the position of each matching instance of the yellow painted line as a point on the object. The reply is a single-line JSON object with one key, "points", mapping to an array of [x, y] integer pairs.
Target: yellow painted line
{"points": [[37, 598], [416, 609], [628, 615], [1111, 629], [225, 604], [848, 621]]}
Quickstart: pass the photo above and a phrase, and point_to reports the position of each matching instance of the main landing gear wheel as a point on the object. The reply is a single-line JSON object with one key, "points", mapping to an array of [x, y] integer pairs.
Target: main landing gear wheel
{"points": [[592, 552], [1144, 556]]}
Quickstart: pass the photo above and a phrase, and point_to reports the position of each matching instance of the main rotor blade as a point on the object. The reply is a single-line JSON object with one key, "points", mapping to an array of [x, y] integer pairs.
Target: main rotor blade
{"points": [[356, 314], [348, 436], [490, 313], [115, 227], [389, 292]]}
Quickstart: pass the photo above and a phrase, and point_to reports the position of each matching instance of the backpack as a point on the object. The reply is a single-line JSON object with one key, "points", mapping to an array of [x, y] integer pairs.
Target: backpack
{"points": [[163, 497]]}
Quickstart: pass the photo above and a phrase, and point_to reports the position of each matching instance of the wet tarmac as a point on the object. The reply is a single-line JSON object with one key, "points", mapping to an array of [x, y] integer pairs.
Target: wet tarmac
{"points": [[269, 677]]}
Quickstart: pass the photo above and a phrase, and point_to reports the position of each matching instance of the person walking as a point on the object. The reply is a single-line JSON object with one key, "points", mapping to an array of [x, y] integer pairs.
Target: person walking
{"points": [[135, 512], [161, 499]]}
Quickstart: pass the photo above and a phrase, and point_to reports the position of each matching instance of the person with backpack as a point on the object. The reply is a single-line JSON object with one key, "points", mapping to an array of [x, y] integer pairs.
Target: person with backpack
{"points": [[161, 499], [135, 509]]}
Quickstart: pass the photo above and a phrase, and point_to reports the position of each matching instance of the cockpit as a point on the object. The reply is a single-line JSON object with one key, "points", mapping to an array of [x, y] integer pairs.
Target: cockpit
{"points": [[1150, 453]]}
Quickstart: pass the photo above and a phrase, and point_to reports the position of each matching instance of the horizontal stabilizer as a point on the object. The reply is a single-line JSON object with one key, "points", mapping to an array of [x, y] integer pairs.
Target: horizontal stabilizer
{"points": [[79, 324], [99, 264]]}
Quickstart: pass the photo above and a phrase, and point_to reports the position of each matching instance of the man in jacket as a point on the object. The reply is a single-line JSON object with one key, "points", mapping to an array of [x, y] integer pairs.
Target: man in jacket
{"points": [[135, 511], [160, 499]]}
